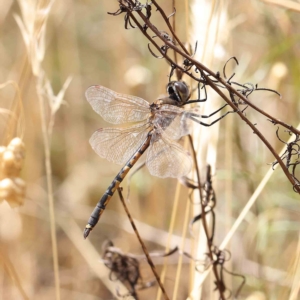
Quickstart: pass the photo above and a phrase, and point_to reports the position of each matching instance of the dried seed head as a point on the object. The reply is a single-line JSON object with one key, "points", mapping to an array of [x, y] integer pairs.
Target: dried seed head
{"points": [[12, 157], [12, 188], [13, 191], [17, 146], [21, 185], [2, 149], [6, 187], [11, 164], [8, 159]]}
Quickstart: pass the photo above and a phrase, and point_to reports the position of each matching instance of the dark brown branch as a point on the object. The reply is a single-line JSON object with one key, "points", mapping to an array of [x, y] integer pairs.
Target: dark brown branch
{"points": [[172, 30], [200, 66], [209, 82], [158, 33]]}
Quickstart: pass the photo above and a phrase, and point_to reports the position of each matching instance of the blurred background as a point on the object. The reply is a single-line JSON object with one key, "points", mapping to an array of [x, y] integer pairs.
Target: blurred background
{"points": [[62, 48]]}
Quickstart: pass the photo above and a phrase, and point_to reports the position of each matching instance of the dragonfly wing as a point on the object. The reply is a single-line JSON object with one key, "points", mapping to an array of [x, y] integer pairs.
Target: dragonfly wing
{"points": [[174, 121], [166, 158], [117, 108], [118, 144]]}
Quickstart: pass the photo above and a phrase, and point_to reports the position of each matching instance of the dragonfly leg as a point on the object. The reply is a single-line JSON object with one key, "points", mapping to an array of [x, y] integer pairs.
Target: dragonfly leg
{"points": [[208, 116], [199, 95]]}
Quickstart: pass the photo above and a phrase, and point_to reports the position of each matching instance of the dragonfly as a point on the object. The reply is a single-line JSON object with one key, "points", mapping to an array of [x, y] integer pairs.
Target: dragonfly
{"points": [[155, 127]]}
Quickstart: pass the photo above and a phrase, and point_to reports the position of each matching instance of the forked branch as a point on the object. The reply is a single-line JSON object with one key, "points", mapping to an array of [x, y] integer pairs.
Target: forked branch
{"points": [[199, 72]]}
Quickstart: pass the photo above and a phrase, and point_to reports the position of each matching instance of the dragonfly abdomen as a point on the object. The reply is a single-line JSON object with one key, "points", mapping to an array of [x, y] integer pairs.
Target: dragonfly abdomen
{"points": [[102, 203]]}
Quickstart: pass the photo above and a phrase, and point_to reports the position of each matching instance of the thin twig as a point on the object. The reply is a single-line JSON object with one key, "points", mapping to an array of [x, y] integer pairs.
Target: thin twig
{"points": [[172, 30], [150, 262], [171, 62], [204, 222]]}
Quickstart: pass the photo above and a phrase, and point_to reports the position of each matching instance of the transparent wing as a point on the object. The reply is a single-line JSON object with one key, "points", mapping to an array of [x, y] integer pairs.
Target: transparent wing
{"points": [[117, 108], [174, 121], [118, 145], [166, 158]]}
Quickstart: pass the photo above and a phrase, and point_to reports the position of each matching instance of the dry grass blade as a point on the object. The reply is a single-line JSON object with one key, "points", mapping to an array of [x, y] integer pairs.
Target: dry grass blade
{"points": [[15, 125], [183, 235], [33, 29], [206, 30], [252, 200], [56, 101], [295, 290], [91, 255], [291, 5], [12, 273], [170, 234]]}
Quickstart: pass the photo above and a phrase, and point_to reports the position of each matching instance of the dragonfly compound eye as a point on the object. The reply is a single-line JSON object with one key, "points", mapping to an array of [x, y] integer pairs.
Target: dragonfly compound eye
{"points": [[183, 90], [170, 89], [178, 91]]}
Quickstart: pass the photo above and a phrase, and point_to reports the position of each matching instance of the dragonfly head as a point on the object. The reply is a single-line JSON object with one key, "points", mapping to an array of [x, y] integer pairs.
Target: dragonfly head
{"points": [[179, 92]]}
